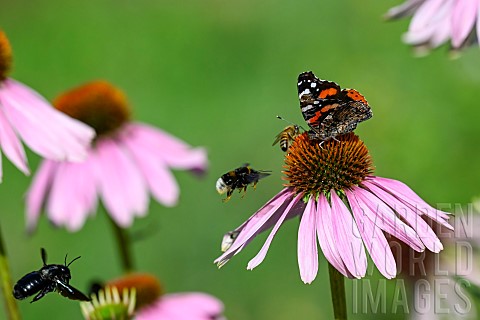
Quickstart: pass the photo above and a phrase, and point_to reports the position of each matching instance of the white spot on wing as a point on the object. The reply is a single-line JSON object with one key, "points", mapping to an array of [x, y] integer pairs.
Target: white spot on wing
{"points": [[306, 108]]}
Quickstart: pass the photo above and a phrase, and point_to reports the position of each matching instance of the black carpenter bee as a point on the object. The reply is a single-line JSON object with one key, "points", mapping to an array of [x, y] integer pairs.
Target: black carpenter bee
{"points": [[239, 178], [51, 277]]}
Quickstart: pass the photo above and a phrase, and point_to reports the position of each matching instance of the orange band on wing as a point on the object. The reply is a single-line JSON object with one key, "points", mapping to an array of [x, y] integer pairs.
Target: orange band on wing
{"points": [[327, 92], [355, 95], [329, 107], [315, 118]]}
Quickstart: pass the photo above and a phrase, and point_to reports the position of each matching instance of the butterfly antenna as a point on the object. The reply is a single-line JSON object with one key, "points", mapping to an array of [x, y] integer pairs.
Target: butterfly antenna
{"points": [[293, 124]]}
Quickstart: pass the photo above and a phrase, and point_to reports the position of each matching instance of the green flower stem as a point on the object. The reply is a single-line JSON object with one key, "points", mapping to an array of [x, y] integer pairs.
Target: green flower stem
{"points": [[124, 246], [337, 287], [6, 283]]}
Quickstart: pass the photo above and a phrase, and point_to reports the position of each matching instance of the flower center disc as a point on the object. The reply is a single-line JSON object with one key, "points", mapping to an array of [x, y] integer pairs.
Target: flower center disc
{"points": [[338, 164], [98, 104], [5, 56], [147, 287]]}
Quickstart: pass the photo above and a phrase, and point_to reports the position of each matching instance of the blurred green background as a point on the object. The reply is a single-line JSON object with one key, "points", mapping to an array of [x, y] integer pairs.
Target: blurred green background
{"points": [[216, 73]]}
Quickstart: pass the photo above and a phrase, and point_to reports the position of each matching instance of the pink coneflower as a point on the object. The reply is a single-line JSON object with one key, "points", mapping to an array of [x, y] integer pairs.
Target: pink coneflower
{"points": [[140, 295], [436, 22], [340, 203], [28, 117], [127, 161]]}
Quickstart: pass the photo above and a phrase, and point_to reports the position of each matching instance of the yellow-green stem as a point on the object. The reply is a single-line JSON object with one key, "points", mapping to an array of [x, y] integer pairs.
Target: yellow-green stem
{"points": [[337, 287], [124, 246], [11, 307]]}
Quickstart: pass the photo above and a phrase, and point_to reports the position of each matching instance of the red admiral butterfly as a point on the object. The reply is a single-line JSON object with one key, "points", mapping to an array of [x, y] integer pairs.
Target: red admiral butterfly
{"points": [[329, 110]]}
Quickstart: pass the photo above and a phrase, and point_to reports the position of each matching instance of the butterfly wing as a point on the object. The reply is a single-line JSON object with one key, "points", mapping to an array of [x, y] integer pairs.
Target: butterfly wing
{"points": [[317, 98], [345, 119]]}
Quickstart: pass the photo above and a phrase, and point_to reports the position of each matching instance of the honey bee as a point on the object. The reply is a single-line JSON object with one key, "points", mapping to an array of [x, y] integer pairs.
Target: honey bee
{"points": [[287, 136], [239, 178]]}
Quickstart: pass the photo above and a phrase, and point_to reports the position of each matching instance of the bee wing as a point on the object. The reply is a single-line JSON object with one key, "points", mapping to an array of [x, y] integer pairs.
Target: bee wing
{"points": [[70, 292], [256, 175], [277, 138]]}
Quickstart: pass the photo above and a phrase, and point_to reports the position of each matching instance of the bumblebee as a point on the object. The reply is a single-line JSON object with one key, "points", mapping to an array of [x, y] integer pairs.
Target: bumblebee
{"points": [[287, 136], [239, 178]]}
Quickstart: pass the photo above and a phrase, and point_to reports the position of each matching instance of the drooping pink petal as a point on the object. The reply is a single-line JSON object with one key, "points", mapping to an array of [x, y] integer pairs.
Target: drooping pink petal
{"points": [[160, 180], [73, 194], [175, 152], [478, 23], [121, 184], [307, 243], [60, 195], [348, 238], [263, 251], [408, 196], [427, 13], [404, 9], [442, 33], [374, 239], [183, 306], [38, 191], [464, 13], [383, 217], [53, 137], [433, 14], [76, 129], [254, 224], [424, 231], [326, 237], [11, 145]]}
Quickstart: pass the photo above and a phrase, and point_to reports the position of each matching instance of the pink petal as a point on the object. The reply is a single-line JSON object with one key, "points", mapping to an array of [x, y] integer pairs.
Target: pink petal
{"points": [[80, 131], [408, 196], [160, 180], [348, 238], [11, 145], [174, 152], [326, 237], [427, 14], [463, 18], [404, 9], [383, 217], [426, 234], [430, 23], [38, 191], [374, 239], [183, 306], [73, 194], [45, 130], [254, 224], [121, 184], [442, 33], [307, 243], [478, 24], [263, 252]]}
